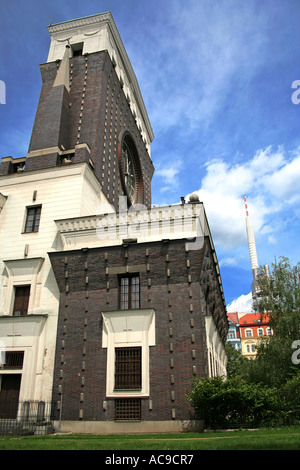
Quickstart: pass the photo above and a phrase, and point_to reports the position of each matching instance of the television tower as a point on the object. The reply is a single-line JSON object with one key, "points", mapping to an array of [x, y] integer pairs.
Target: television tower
{"points": [[252, 249]]}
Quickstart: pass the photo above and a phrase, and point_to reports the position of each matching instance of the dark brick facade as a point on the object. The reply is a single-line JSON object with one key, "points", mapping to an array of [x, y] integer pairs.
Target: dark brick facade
{"points": [[181, 286], [94, 112]]}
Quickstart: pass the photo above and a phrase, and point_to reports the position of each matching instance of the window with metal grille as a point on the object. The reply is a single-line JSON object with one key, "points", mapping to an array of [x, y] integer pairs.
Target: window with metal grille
{"points": [[14, 359], [33, 219], [129, 292], [22, 294], [128, 409], [128, 368]]}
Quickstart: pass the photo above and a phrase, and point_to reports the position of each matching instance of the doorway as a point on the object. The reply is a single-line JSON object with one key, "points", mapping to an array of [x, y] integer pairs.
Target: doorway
{"points": [[9, 395]]}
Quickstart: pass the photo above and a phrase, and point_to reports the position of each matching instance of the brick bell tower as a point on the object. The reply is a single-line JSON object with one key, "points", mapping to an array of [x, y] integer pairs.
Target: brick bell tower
{"points": [[91, 110]]}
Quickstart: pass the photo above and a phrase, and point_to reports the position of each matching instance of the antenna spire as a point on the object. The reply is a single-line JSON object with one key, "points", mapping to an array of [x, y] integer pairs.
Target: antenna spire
{"points": [[246, 206], [251, 246]]}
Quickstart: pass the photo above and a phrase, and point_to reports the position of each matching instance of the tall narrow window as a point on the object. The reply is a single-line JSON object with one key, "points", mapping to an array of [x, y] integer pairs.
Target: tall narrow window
{"points": [[128, 368], [33, 219], [22, 294], [129, 292]]}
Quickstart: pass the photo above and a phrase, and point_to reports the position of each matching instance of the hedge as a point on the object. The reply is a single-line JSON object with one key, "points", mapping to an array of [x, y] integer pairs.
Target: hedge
{"points": [[235, 403]]}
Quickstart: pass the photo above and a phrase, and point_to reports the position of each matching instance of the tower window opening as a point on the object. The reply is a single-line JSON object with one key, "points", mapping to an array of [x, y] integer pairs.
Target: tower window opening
{"points": [[21, 302], [77, 49]]}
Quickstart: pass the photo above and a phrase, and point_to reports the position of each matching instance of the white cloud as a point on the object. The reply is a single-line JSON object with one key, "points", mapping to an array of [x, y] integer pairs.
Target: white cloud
{"points": [[242, 304], [271, 182], [229, 261], [266, 161], [169, 175], [272, 240], [225, 217], [285, 182]]}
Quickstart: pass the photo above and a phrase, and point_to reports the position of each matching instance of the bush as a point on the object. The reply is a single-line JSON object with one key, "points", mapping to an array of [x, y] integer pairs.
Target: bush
{"points": [[233, 403], [289, 396]]}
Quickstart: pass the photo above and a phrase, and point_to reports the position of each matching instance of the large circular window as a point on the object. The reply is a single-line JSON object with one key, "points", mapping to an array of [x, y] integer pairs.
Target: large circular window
{"points": [[130, 169]]}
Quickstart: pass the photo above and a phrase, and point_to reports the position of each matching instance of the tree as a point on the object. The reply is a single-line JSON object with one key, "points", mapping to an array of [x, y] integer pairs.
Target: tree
{"points": [[265, 390], [279, 297], [279, 292], [236, 361]]}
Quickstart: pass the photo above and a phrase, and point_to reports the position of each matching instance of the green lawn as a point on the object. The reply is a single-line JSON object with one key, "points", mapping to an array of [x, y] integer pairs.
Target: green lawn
{"points": [[262, 439]]}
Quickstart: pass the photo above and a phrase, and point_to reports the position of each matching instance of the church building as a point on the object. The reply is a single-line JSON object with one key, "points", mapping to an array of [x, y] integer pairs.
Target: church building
{"points": [[109, 307]]}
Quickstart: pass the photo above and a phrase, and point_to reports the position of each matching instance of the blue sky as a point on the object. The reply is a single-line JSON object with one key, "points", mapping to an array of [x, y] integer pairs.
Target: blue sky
{"points": [[216, 77]]}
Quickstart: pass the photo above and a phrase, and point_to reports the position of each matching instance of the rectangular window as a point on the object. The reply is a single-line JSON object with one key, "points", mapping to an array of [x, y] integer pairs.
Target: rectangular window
{"points": [[22, 294], [14, 359], [128, 409], [128, 368], [33, 219], [77, 49], [129, 292]]}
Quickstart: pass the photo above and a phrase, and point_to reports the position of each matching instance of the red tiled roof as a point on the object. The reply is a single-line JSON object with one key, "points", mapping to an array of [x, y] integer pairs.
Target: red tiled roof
{"points": [[233, 316], [253, 318]]}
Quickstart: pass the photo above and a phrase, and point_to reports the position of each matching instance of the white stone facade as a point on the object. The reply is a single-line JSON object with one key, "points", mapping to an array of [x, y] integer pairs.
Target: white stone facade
{"points": [[62, 192]]}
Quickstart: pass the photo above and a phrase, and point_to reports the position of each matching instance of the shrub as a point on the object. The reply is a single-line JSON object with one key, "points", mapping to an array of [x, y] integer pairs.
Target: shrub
{"points": [[233, 402], [289, 396]]}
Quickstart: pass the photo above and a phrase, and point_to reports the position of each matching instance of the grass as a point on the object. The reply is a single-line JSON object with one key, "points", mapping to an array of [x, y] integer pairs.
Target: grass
{"points": [[287, 438]]}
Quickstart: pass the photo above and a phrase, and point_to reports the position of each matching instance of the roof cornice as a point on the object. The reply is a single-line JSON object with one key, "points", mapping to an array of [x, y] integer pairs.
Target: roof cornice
{"points": [[85, 21]]}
